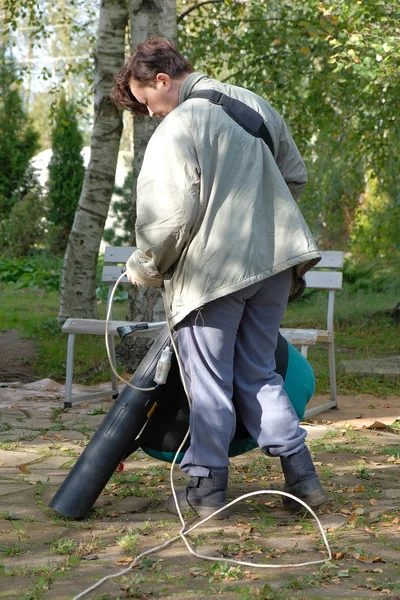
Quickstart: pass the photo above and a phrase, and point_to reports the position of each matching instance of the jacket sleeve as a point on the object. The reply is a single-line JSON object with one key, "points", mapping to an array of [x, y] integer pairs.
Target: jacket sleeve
{"points": [[290, 162], [167, 203]]}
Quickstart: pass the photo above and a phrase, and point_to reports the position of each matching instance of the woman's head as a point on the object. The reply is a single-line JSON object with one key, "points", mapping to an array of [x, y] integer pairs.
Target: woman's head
{"points": [[153, 73]]}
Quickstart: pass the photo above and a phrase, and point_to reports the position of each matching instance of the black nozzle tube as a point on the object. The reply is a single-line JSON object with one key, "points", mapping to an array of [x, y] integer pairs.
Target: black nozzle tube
{"points": [[111, 442]]}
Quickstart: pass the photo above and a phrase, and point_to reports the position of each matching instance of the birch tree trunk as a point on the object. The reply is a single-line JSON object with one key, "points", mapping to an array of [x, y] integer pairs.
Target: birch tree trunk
{"points": [[147, 18], [78, 285]]}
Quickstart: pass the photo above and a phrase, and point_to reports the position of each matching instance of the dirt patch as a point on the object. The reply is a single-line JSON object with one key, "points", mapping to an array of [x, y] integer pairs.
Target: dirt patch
{"points": [[16, 357]]}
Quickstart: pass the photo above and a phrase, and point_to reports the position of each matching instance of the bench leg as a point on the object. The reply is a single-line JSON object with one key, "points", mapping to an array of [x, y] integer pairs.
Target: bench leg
{"points": [[70, 371], [332, 371], [304, 350], [114, 380]]}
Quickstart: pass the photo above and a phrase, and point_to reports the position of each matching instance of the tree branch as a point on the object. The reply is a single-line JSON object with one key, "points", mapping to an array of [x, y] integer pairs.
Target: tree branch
{"points": [[194, 7]]}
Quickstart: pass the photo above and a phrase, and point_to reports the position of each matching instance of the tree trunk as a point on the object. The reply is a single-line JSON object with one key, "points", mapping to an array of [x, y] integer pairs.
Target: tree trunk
{"points": [[147, 18], [78, 285]]}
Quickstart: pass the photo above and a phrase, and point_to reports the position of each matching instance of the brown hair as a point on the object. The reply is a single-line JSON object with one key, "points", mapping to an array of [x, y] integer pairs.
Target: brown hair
{"points": [[157, 55]]}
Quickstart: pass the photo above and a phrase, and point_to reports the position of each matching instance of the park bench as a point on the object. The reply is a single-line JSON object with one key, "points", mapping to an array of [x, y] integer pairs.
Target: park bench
{"points": [[325, 276]]}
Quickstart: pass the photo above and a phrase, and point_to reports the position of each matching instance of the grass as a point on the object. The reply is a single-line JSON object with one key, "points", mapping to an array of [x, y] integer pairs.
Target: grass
{"points": [[129, 542], [362, 323]]}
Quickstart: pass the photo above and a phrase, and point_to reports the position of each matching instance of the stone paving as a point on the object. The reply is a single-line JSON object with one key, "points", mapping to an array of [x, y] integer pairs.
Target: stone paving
{"points": [[44, 556]]}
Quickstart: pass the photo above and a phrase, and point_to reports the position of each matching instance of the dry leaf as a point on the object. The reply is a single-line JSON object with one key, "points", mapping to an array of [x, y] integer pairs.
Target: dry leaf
{"points": [[23, 468], [124, 560], [373, 501], [386, 524], [376, 425], [359, 511], [368, 530], [352, 520]]}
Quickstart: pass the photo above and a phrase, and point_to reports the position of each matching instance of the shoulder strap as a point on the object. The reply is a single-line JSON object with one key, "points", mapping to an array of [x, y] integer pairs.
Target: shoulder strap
{"points": [[244, 115]]}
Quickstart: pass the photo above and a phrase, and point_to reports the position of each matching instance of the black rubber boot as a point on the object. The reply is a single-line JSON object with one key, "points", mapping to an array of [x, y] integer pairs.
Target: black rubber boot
{"points": [[203, 495], [302, 481]]}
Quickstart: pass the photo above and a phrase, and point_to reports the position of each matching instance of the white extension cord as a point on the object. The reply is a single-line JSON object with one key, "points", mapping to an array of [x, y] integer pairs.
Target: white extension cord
{"points": [[183, 532]]}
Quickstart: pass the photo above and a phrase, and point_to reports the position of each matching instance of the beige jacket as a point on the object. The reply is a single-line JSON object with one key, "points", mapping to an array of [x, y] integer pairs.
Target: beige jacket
{"points": [[215, 211]]}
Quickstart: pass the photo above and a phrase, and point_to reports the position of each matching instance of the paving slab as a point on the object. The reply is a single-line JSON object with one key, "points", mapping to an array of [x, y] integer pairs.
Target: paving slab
{"points": [[360, 518], [358, 412], [388, 366]]}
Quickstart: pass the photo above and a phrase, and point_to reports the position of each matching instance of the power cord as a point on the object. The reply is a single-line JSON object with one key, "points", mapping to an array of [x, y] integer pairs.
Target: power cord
{"points": [[185, 532]]}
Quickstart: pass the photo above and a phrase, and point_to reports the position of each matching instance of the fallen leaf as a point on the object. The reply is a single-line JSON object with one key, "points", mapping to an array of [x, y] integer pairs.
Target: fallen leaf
{"points": [[373, 501], [338, 555], [385, 524], [124, 560], [368, 530], [23, 468], [376, 425], [251, 576], [359, 511]]}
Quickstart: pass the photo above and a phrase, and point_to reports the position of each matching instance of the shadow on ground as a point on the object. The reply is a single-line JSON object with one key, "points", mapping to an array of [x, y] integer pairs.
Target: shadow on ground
{"points": [[43, 556]]}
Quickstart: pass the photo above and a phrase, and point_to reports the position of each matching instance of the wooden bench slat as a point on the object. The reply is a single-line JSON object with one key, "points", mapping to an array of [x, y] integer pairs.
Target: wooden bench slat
{"points": [[114, 254], [306, 337], [98, 327], [331, 260], [111, 274], [324, 280]]}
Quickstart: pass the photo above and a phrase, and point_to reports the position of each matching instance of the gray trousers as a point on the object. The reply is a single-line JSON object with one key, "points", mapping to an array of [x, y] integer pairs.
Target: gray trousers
{"points": [[228, 347]]}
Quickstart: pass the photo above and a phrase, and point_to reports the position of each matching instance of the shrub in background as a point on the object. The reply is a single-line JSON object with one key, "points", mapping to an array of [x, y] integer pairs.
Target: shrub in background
{"points": [[18, 139], [23, 230], [124, 214], [66, 174]]}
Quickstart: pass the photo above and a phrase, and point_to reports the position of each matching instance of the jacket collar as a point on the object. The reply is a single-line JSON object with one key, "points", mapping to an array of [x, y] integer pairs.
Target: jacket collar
{"points": [[188, 84]]}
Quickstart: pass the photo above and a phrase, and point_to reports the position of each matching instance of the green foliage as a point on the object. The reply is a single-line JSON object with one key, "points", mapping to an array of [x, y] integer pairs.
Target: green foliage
{"points": [[42, 271], [123, 213], [376, 230], [18, 139], [20, 233], [66, 174], [332, 71]]}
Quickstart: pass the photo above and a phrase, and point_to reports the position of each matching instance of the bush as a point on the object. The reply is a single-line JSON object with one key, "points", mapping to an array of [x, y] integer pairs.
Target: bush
{"points": [[24, 227], [66, 174], [42, 271], [18, 139]]}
